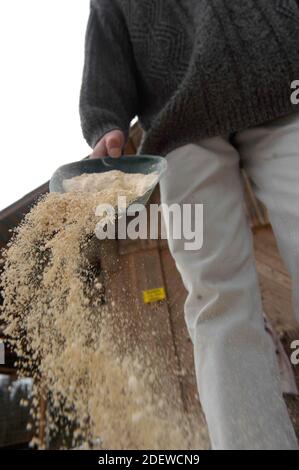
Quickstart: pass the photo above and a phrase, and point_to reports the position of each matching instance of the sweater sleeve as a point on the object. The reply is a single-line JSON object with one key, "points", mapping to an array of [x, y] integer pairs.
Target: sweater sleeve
{"points": [[108, 98]]}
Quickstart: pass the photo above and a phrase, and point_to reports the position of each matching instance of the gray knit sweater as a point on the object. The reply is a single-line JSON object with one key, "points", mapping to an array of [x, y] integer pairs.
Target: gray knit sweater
{"points": [[189, 69]]}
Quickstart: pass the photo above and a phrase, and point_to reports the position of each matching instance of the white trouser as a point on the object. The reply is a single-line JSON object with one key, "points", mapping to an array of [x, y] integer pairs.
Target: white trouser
{"points": [[236, 369]]}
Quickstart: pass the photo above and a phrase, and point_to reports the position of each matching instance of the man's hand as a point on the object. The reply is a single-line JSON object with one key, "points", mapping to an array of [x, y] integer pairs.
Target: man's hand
{"points": [[111, 144]]}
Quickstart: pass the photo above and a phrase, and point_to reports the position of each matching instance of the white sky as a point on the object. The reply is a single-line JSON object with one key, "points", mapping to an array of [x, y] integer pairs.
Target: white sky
{"points": [[41, 54]]}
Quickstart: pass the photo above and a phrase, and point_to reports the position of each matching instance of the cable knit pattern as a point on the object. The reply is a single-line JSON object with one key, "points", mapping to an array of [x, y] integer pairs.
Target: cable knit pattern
{"points": [[189, 69]]}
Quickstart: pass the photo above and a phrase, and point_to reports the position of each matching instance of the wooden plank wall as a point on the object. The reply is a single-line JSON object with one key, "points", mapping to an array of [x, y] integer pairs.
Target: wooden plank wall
{"points": [[12, 215], [132, 267]]}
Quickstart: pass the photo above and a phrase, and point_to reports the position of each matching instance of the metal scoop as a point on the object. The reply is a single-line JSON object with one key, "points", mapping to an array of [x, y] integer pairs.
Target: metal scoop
{"points": [[128, 164]]}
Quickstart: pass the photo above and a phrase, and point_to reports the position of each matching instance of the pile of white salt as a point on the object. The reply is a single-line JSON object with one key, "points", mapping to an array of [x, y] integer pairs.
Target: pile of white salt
{"points": [[136, 184]]}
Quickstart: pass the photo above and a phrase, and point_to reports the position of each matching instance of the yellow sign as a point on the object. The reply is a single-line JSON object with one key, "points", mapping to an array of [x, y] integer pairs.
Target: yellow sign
{"points": [[154, 295]]}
